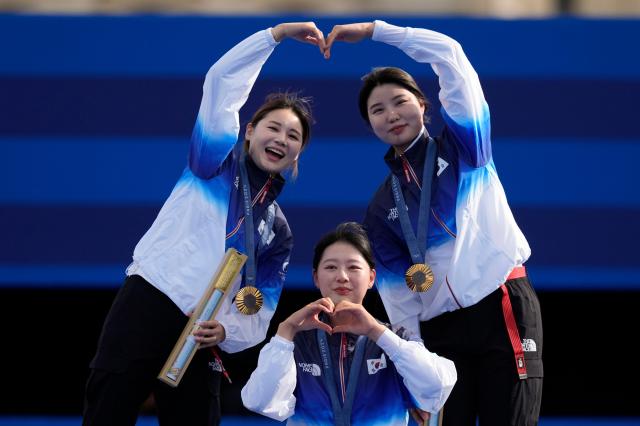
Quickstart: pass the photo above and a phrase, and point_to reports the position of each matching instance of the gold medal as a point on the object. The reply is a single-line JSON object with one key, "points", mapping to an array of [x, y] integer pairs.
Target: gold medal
{"points": [[249, 300], [419, 277]]}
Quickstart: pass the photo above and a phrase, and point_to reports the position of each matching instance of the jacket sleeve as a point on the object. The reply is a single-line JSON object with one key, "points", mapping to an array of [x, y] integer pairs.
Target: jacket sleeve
{"points": [[429, 378], [269, 390], [464, 108], [403, 306], [244, 331], [226, 88]]}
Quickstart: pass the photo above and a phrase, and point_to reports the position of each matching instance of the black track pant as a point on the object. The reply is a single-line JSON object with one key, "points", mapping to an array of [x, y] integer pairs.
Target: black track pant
{"points": [[139, 333], [476, 340]]}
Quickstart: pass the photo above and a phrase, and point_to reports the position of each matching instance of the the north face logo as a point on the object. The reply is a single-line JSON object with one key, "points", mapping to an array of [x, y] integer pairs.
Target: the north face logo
{"points": [[375, 365], [216, 365], [529, 345], [313, 369]]}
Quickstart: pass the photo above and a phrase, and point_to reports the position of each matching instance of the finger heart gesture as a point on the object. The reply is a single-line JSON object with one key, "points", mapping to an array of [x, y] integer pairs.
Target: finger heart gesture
{"points": [[349, 317], [351, 33], [345, 317], [308, 32]]}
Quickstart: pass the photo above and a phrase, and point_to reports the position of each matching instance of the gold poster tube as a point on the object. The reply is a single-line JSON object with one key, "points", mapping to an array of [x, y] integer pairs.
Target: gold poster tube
{"points": [[210, 302]]}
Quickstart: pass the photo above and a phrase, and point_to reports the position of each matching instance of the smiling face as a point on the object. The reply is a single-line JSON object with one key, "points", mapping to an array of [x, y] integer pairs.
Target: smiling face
{"points": [[275, 141], [396, 115], [343, 273]]}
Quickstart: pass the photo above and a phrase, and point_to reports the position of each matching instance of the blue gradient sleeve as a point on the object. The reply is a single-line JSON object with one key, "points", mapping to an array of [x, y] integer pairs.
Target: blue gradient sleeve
{"points": [[226, 88], [463, 104], [472, 137]]}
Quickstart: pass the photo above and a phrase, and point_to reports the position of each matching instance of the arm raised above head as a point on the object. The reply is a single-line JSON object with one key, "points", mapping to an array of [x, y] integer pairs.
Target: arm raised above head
{"points": [[226, 88], [464, 107]]}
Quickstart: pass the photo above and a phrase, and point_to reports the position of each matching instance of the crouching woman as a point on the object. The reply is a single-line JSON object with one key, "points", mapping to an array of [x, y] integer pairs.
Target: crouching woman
{"points": [[333, 363]]}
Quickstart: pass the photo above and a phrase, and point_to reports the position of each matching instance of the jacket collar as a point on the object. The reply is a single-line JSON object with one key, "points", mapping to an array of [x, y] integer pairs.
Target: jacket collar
{"points": [[414, 155], [258, 178]]}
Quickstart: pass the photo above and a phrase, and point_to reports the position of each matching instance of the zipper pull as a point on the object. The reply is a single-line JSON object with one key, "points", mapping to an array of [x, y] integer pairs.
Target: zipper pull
{"points": [[405, 168], [265, 189]]}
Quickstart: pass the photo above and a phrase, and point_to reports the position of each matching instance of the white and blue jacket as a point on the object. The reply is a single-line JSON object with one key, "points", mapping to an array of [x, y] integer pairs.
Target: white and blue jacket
{"points": [[473, 241], [380, 380], [204, 214]]}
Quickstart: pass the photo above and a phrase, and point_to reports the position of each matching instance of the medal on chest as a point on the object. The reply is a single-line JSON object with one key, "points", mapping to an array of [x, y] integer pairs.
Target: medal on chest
{"points": [[249, 300], [419, 277]]}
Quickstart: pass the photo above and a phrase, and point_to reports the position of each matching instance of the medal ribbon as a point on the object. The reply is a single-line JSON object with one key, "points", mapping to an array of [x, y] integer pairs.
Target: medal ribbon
{"points": [[417, 245], [341, 414], [250, 266]]}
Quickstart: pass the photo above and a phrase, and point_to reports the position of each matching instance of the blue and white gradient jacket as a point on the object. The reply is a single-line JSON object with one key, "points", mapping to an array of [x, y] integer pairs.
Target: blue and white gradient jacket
{"points": [[394, 375], [203, 215], [473, 241]]}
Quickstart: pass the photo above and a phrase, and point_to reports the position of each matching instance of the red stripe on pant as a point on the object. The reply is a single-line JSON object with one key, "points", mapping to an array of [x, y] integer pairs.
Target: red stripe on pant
{"points": [[510, 321]]}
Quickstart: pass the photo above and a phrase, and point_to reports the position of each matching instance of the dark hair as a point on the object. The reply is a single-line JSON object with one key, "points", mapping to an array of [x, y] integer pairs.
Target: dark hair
{"points": [[300, 106], [388, 75], [349, 232]]}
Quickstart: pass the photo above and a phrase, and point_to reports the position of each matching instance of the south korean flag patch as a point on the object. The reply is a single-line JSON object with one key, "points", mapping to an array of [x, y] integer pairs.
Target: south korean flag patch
{"points": [[375, 365]]}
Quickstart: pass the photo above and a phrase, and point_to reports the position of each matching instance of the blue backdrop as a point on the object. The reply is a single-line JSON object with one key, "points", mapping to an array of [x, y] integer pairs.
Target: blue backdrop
{"points": [[96, 112]]}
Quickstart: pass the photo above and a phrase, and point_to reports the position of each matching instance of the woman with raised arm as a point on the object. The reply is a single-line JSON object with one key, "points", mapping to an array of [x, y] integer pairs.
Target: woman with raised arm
{"points": [[224, 198], [332, 363], [450, 255]]}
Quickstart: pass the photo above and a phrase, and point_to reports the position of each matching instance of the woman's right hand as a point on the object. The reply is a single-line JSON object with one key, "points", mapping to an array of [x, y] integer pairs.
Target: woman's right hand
{"points": [[420, 416], [306, 32], [350, 33], [306, 319]]}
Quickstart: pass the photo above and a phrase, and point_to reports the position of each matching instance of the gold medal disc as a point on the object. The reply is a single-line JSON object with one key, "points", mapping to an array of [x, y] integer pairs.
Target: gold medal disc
{"points": [[419, 277], [249, 300]]}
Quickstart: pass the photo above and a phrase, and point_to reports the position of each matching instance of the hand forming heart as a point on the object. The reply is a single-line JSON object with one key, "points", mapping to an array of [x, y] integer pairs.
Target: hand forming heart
{"points": [[307, 32], [345, 317]]}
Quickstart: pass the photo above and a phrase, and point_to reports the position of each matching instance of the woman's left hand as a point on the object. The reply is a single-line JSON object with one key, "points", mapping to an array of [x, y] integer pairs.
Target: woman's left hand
{"points": [[209, 333], [353, 318], [306, 32], [350, 33]]}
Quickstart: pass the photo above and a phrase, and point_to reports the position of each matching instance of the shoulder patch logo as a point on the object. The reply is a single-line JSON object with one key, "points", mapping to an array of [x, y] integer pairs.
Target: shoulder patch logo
{"points": [[313, 369], [442, 164], [375, 365]]}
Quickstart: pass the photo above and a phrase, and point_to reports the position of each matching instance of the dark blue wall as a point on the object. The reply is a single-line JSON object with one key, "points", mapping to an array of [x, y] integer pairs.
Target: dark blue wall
{"points": [[96, 113]]}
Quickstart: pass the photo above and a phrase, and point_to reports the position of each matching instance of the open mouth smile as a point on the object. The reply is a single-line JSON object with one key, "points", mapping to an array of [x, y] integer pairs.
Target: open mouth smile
{"points": [[274, 153]]}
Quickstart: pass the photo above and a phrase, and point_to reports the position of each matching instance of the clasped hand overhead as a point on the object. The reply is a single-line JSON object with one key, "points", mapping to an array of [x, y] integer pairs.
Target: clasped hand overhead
{"points": [[308, 32]]}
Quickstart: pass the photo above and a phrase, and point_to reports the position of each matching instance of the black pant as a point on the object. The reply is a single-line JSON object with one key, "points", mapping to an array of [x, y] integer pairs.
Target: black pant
{"points": [[139, 333], [476, 340]]}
